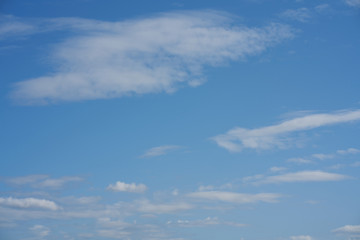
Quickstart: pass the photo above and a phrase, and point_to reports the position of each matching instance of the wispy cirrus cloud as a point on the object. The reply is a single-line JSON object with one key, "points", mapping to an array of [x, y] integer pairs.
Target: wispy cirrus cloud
{"points": [[161, 208], [348, 151], [159, 151], [299, 160], [127, 187], [353, 3], [43, 181], [209, 221], [300, 14], [28, 203], [151, 55], [277, 169], [12, 26], [275, 136], [234, 197], [302, 176], [322, 156], [40, 231]]}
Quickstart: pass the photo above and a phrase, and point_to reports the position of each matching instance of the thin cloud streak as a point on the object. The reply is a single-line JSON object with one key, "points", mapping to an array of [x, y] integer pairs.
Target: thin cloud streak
{"points": [[161, 208], [28, 203], [158, 54], [274, 136], [353, 3], [209, 221], [302, 176], [159, 151], [233, 197], [300, 14], [43, 181]]}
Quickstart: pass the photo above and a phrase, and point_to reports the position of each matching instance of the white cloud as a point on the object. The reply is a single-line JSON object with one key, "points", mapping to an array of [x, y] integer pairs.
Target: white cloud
{"points": [[273, 136], [355, 164], [353, 3], [40, 230], [43, 181], [299, 160], [127, 187], [158, 54], [158, 151], [348, 151], [211, 187], [146, 206], [348, 229], [107, 222], [209, 221], [301, 237], [28, 203], [234, 197], [300, 14], [277, 169], [114, 233], [322, 156], [118, 229], [302, 176], [175, 192], [80, 200], [12, 26], [337, 166], [252, 178], [57, 183], [322, 8], [26, 179]]}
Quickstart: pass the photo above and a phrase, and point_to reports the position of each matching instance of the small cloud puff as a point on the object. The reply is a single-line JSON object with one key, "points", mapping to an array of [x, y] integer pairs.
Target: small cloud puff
{"points": [[126, 187]]}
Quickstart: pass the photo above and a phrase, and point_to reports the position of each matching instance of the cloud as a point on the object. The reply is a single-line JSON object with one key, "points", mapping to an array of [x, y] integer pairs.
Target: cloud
{"points": [[299, 160], [28, 203], [322, 8], [118, 229], [158, 151], [301, 237], [43, 181], [211, 187], [233, 197], [348, 151], [209, 221], [146, 206], [277, 169], [12, 26], [302, 176], [114, 233], [57, 183], [40, 230], [300, 14], [126, 187], [322, 156], [355, 164], [157, 54], [353, 3], [26, 179], [273, 136], [348, 229]]}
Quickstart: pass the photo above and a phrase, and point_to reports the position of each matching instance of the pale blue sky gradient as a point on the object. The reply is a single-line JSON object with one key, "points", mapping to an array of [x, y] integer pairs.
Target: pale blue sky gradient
{"points": [[180, 120]]}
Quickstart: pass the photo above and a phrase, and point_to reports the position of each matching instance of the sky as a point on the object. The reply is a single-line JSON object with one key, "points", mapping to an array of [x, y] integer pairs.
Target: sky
{"points": [[180, 120]]}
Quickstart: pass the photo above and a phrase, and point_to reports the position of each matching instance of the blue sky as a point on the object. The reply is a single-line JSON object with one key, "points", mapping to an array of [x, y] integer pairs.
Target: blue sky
{"points": [[180, 120]]}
